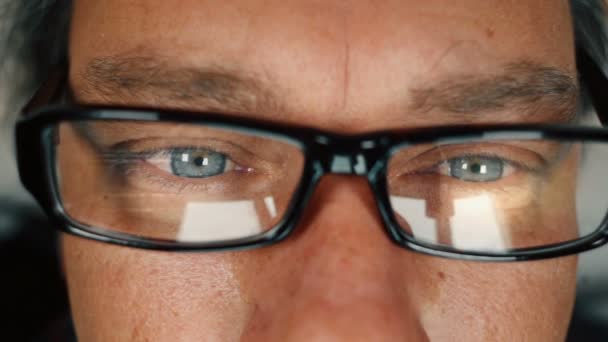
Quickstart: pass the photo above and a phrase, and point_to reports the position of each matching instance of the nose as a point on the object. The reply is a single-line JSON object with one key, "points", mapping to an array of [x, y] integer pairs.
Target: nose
{"points": [[339, 278]]}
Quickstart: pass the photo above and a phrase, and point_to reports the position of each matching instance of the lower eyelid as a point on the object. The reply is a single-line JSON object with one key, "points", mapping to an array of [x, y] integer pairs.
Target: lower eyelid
{"points": [[508, 168], [141, 174], [163, 162]]}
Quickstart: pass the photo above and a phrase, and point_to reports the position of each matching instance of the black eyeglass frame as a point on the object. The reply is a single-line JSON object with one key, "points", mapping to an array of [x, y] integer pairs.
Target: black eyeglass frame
{"points": [[324, 153]]}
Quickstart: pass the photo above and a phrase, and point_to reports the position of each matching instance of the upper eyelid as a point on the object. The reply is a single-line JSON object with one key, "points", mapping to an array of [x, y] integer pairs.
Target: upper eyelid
{"points": [[237, 154], [168, 151], [113, 134], [152, 145]]}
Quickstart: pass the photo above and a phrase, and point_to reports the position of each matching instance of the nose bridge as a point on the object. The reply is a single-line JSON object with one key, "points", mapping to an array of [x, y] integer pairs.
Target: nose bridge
{"points": [[343, 243], [341, 189], [347, 280]]}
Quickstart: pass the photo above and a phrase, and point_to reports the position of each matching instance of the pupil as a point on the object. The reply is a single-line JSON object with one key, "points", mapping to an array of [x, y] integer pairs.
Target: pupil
{"points": [[199, 161], [475, 168]]}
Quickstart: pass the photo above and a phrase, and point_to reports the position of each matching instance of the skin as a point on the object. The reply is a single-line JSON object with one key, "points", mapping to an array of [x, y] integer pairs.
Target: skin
{"points": [[346, 67]]}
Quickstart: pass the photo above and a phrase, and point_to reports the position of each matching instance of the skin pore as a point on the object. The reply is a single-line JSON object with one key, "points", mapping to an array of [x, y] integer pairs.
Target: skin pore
{"points": [[347, 67]]}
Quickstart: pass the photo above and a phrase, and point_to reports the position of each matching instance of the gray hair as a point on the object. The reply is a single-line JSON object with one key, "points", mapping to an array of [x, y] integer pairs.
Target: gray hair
{"points": [[35, 37]]}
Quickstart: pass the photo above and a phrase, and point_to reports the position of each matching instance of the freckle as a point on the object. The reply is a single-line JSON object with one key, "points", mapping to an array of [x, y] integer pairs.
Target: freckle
{"points": [[489, 33], [441, 275]]}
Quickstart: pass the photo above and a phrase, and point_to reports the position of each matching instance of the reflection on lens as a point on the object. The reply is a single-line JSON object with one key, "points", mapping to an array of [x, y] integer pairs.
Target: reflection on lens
{"points": [[174, 182], [499, 195]]}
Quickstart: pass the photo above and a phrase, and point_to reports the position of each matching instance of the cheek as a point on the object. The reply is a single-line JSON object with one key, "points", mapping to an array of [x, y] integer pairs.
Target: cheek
{"points": [[545, 213], [550, 215], [559, 198], [529, 301], [126, 294]]}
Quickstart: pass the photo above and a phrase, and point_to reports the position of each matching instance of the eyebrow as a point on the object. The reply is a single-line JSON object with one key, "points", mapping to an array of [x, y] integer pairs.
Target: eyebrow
{"points": [[143, 76], [524, 86], [527, 88]]}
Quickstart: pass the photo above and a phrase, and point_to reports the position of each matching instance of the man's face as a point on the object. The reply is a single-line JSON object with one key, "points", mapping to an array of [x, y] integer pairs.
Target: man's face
{"points": [[347, 67]]}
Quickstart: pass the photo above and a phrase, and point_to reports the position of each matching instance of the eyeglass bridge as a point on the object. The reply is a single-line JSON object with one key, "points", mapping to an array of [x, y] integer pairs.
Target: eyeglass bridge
{"points": [[345, 156], [349, 164]]}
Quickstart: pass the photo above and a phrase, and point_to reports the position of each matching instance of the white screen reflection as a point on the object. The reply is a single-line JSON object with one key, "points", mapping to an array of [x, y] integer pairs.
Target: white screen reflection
{"points": [[474, 225], [217, 221], [413, 211], [270, 206]]}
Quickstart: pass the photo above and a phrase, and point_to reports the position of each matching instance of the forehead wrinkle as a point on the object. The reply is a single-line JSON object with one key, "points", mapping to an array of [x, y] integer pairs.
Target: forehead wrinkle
{"points": [[522, 85], [213, 86]]}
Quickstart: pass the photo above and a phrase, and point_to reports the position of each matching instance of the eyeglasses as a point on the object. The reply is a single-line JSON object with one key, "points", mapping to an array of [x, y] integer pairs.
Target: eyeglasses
{"points": [[184, 181], [174, 180]]}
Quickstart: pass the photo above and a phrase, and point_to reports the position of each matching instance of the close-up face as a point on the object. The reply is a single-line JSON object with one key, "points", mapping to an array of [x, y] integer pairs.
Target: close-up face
{"points": [[342, 67]]}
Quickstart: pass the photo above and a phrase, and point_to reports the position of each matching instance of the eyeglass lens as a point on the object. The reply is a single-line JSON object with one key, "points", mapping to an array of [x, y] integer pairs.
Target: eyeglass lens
{"points": [[493, 195], [175, 182]]}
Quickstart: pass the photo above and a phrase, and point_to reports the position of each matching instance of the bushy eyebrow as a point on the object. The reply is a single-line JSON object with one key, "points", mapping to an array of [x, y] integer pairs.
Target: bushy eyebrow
{"points": [[526, 87], [523, 85], [145, 76]]}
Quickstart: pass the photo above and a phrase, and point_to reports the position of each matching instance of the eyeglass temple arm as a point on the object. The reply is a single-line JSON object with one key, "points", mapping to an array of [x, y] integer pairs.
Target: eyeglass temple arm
{"points": [[49, 92]]}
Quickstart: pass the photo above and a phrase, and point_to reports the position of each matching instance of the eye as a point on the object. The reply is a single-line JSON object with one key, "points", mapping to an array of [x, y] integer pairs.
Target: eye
{"points": [[197, 163], [477, 168], [192, 162]]}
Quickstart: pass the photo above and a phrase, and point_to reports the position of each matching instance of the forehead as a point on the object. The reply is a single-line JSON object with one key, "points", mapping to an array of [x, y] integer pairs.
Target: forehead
{"points": [[329, 59]]}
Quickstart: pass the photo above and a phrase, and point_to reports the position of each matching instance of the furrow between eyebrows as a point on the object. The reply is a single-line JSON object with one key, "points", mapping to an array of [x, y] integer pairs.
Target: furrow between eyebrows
{"points": [[520, 85]]}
